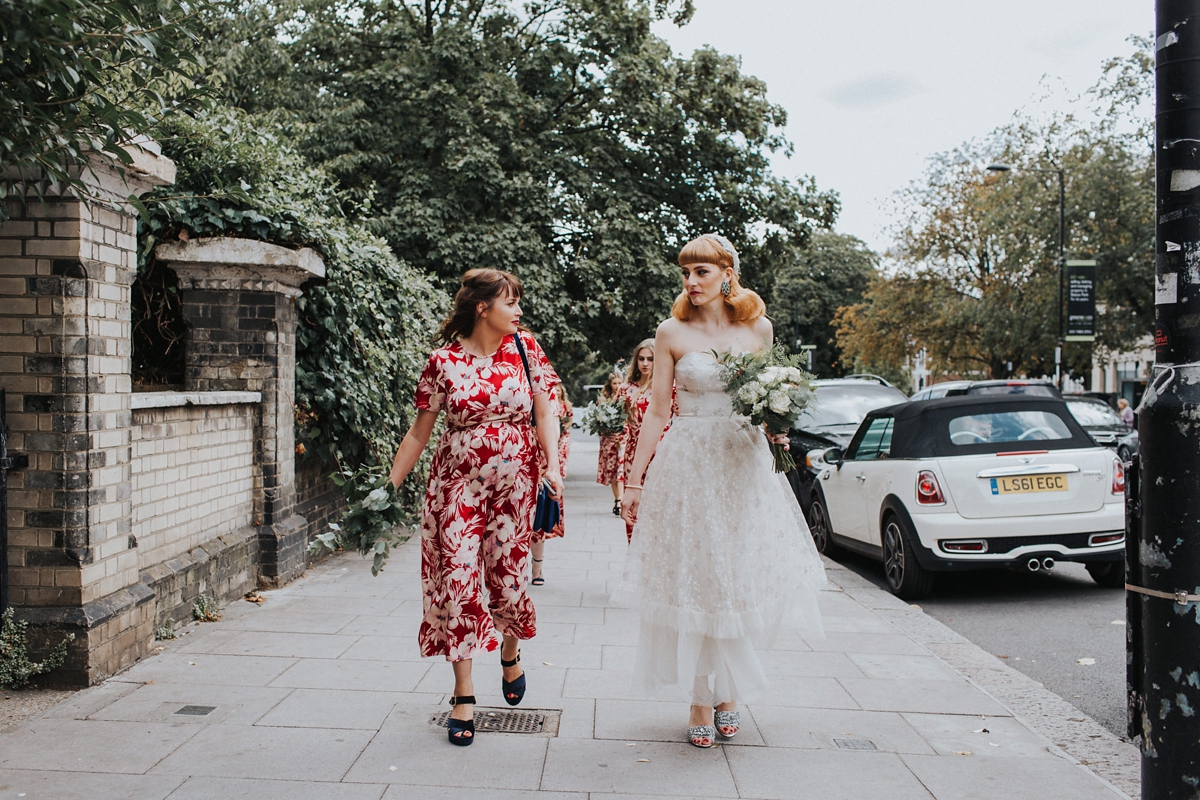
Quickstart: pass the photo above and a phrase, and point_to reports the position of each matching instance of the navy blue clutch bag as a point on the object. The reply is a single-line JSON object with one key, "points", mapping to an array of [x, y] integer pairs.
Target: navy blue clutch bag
{"points": [[548, 511]]}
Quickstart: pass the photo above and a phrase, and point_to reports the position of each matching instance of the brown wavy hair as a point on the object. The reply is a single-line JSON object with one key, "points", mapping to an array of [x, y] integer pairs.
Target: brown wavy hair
{"points": [[741, 305], [634, 375], [478, 286], [609, 390]]}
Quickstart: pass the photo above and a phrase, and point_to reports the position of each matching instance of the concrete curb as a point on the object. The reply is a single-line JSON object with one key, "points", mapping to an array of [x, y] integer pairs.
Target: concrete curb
{"points": [[1080, 738]]}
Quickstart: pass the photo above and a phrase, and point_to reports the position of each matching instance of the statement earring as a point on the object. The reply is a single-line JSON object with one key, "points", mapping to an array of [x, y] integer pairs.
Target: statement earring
{"points": [[726, 288]]}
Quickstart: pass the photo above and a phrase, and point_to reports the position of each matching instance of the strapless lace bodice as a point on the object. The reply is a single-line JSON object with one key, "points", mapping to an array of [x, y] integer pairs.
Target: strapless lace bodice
{"points": [[700, 392]]}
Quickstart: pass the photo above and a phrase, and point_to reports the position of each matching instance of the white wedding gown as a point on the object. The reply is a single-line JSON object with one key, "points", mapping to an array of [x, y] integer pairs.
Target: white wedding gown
{"points": [[721, 558]]}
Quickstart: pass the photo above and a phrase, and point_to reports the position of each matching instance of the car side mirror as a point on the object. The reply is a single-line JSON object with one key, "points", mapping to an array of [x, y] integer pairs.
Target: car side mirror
{"points": [[834, 457]]}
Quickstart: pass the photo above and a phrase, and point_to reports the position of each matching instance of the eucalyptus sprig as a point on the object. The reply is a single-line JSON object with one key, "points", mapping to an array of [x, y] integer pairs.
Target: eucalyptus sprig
{"points": [[376, 518]]}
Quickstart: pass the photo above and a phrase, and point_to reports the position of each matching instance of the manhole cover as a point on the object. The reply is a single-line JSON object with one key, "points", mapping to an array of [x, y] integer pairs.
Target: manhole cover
{"points": [[196, 711], [855, 744], [504, 720]]}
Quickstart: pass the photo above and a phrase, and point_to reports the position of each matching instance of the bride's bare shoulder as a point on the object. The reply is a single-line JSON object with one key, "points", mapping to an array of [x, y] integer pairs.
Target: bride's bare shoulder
{"points": [[668, 330], [762, 327]]}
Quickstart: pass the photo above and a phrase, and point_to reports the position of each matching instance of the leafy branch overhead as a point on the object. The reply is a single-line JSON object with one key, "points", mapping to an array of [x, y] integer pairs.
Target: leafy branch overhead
{"points": [[560, 140], [86, 76], [976, 254]]}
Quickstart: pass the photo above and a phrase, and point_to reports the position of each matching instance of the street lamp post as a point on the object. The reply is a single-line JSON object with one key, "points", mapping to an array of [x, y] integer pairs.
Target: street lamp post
{"points": [[1062, 253]]}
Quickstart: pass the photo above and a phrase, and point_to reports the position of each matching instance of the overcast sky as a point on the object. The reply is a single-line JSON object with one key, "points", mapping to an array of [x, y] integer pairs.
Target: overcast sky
{"points": [[875, 87]]}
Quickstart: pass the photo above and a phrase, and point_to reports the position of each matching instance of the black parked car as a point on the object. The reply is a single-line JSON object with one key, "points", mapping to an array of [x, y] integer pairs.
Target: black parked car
{"points": [[831, 420], [970, 388], [1100, 421]]}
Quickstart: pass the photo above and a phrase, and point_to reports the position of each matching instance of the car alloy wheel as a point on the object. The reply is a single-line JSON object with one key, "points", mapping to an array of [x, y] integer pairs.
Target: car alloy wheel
{"points": [[893, 554], [818, 523], [907, 579], [1109, 574]]}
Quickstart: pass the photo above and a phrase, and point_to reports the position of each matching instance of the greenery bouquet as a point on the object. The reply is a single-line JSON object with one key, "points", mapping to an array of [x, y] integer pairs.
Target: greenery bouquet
{"points": [[604, 417], [375, 519], [770, 388]]}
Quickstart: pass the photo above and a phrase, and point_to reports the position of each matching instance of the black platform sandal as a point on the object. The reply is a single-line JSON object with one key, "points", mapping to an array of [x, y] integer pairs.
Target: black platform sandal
{"points": [[514, 691], [540, 580], [461, 731], [616, 508]]}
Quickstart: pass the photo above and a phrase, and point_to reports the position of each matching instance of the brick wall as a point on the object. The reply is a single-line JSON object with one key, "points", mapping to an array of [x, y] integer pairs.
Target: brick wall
{"points": [[133, 505], [193, 476], [66, 266], [318, 499], [64, 359]]}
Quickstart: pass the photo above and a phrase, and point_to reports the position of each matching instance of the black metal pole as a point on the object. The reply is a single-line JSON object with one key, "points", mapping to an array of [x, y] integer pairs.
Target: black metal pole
{"points": [[1166, 567], [1062, 265]]}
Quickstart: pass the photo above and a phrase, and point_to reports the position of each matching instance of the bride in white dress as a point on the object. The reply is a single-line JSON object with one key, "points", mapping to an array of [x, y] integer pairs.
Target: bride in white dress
{"points": [[721, 559]]}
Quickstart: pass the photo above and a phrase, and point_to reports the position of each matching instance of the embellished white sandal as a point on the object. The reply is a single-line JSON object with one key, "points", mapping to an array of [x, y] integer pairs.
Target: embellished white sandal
{"points": [[727, 719], [697, 734]]}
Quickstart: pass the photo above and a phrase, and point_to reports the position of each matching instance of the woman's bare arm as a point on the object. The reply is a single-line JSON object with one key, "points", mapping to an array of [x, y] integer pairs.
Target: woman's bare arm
{"points": [[547, 434]]}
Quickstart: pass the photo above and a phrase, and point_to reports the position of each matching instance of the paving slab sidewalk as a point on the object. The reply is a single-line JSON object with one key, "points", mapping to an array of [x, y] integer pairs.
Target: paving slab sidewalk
{"points": [[320, 693]]}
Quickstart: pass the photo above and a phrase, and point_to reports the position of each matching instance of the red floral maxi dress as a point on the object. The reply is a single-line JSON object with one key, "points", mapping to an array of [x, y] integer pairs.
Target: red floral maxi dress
{"points": [[608, 468], [478, 512]]}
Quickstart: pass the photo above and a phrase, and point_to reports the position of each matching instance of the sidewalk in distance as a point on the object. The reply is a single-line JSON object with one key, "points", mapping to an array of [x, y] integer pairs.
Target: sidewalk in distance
{"points": [[320, 693]]}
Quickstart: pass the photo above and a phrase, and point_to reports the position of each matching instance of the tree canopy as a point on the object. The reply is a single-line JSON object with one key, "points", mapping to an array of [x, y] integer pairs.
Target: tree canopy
{"points": [[832, 272], [976, 278], [561, 140], [85, 76]]}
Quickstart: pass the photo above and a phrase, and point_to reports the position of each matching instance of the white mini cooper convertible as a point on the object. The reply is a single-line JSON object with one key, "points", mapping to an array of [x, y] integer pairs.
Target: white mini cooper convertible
{"points": [[970, 483]]}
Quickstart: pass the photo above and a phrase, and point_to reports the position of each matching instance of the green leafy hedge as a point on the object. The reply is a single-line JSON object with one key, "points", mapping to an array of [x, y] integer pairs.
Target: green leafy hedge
{"points": [[364, 332]]}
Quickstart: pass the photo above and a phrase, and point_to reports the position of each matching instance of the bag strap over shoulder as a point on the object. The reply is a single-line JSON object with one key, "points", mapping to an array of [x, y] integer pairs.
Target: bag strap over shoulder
{"points": [[528, 377]]}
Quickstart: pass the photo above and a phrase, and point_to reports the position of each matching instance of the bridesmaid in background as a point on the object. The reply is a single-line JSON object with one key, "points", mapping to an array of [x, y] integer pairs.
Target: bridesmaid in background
{"points": [[608, 470], [636, 394], [560, 405]]}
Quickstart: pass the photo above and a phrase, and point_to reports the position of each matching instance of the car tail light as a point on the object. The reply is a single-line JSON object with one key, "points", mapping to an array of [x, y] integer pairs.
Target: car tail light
{"points": [[1097, 539], [965, 546], [1118, 476], [929, 493]]}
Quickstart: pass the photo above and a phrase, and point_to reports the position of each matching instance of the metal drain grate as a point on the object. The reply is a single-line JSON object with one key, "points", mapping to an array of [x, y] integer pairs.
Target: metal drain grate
{"points": [[855, 744], [196, 711], [503, 720]]}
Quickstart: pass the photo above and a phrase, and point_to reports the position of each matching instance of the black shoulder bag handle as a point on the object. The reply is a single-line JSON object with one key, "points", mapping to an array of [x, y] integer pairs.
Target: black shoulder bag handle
{"points": [[547, 510], [528, 377]]}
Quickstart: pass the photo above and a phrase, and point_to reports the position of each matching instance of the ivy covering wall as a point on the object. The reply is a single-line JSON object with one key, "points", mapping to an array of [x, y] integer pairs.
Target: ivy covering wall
{"points": [[364, 332]]}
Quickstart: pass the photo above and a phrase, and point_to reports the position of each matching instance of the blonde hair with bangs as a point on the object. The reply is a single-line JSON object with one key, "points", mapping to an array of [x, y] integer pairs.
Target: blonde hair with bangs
{"points": [[741, 304]]}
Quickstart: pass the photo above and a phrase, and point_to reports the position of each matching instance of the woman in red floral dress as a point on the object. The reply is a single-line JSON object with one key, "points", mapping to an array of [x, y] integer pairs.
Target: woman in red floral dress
{"points": [[636, 393], [478, 512], [608, 468]]}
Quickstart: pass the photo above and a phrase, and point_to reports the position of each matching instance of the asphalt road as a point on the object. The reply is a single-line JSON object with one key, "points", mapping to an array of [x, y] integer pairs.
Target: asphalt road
{"points": [[1042, 624]]}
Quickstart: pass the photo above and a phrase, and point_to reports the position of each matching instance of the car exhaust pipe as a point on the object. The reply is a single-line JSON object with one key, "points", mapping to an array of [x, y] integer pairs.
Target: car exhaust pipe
{"points": [[1047, 564], [1034, 565]]}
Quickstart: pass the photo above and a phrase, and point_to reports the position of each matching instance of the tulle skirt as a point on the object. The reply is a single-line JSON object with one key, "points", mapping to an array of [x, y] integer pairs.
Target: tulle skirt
{"points": [[720, 563]]}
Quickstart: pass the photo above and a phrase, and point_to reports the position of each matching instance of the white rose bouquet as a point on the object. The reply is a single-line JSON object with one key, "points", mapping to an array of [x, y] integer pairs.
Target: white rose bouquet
{"points": [[603, 418], [770, 388]]}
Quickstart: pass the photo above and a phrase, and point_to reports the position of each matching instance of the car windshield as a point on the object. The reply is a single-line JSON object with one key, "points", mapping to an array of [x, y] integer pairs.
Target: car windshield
{"points": [[836, 406], [1093, 413], [1007, 426], [1038, 389]]}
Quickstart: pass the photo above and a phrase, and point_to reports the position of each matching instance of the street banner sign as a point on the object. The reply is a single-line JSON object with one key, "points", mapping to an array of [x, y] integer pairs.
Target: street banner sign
{"points": [[1081, 301]]}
